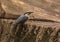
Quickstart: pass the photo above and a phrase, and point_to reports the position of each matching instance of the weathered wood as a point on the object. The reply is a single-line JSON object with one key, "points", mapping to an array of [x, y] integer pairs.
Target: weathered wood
{"points": [[43, 11], [32, 31], [35, 29], [2, 11], [9, 16]]}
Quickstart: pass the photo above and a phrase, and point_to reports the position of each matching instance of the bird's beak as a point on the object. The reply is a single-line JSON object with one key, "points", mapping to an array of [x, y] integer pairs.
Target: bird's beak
{"points": [[31, 12]]}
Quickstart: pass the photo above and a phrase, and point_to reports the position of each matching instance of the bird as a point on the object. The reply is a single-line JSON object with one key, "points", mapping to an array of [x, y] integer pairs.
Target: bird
{"points": [[23, 18], [20, 20]]}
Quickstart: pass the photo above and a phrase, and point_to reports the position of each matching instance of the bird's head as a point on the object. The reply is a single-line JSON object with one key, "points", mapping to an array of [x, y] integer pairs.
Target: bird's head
{"points": [[27, 13]]}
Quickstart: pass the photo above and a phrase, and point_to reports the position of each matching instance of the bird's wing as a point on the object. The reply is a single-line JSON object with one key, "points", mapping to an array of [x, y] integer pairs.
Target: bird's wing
{"points": [[22, 18]]}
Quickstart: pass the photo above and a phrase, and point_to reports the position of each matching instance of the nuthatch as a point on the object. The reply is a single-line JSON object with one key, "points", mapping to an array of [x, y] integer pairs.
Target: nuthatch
{"points": [[23, 18]]}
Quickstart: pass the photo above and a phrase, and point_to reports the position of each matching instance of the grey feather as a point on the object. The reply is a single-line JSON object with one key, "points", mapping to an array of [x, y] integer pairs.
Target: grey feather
{"points": [[21, 19]]}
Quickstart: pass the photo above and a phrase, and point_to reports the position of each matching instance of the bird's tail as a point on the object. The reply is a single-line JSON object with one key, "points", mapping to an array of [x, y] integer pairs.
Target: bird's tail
{"points": [[13, 30]]}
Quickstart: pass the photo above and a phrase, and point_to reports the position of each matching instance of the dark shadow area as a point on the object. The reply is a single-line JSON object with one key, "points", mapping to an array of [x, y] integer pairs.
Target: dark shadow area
{"points": [[43, 20]]}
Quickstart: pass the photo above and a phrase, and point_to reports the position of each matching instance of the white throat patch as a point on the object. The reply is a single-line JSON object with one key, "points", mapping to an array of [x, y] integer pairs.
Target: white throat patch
{"points": [[27, 15]]}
